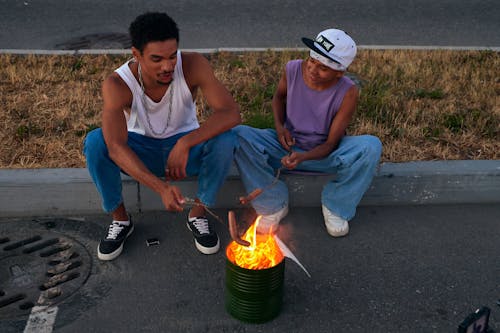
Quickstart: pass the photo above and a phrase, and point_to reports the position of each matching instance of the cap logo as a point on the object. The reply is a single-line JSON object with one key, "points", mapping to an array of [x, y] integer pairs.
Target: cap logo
{"points": [[324, 42]]}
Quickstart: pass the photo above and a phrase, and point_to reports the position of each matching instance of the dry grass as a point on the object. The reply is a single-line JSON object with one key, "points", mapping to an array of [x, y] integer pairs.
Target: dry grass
{"points": [[424, 105]]}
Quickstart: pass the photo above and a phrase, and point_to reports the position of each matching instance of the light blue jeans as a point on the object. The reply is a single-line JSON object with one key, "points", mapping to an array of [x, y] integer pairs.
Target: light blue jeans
{"points": [[210, 161], [354, 162]]}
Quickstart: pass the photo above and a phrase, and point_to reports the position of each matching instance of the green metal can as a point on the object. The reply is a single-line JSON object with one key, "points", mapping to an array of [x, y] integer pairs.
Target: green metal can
{"points": [[254, 295]]}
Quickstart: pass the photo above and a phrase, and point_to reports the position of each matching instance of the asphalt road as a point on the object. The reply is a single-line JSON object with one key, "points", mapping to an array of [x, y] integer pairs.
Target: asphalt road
{"points": [[401, 269], [93, 24]]}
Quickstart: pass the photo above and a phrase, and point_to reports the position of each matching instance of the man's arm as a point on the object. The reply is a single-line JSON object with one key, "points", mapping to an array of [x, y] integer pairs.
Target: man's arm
{"points": [[225, 112], [279, 109], [117, 96], [337, 130]]}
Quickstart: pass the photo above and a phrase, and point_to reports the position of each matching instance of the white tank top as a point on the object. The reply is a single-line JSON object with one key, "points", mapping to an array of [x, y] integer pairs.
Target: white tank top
{"points": [[183, 117]]}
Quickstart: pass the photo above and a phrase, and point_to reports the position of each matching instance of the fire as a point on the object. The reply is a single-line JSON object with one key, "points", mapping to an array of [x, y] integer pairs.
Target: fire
{"points": [[262, 253]]}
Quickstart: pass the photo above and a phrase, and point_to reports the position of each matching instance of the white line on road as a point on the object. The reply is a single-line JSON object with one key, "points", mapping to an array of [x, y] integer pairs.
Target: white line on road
{"points": [[254, 49], [41, 319]]}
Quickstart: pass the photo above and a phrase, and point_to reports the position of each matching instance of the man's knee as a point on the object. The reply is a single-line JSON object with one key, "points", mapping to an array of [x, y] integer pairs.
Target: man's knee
{"points": [[94, 143], [372, 145], [252, 134], [225, 140], [365, 148], [242, 130]]}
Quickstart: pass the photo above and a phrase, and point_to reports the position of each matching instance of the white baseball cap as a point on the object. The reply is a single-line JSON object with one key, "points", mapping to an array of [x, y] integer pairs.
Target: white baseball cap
{"points": [[333, 47]]}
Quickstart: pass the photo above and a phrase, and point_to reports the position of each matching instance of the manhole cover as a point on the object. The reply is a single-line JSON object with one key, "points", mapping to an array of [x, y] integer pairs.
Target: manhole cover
{"points": [[97, 41], [39, 266]]}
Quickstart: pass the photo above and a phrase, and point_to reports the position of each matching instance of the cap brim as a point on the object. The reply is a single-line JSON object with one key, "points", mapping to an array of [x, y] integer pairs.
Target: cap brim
{"points": [[310, 44]]}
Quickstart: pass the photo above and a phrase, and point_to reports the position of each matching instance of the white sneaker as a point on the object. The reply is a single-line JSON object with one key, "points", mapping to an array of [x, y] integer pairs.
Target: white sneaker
{"points": [[336, 226], [269, 223]]}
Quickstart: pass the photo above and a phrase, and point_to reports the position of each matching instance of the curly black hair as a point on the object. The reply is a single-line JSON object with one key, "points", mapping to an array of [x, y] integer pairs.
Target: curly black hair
{"points": [[152, 27]]}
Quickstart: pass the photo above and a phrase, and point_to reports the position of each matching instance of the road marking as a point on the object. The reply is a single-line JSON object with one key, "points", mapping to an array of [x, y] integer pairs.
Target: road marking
{"points": [[252, 49], [41, 319]]}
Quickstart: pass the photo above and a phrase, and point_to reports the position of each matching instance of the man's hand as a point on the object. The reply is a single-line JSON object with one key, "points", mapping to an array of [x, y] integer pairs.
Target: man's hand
{"points": [[172, 198], [291, 161], [285, 138], [177, 162]]}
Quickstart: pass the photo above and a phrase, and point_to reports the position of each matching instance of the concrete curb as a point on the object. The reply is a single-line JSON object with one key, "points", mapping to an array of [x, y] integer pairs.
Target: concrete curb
{"points": [[57, 192]]}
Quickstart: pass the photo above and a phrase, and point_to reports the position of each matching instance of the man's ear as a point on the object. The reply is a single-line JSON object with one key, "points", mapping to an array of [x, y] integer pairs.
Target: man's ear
{"points": [[136, 53]]}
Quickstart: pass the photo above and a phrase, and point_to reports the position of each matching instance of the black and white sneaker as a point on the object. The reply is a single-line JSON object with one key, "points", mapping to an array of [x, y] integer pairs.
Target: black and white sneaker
{"points": [[205, 238], [112, 245]]}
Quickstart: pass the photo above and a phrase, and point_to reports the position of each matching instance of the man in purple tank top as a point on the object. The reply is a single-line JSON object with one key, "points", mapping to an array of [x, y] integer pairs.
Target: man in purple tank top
{"points": [[312, 107]]}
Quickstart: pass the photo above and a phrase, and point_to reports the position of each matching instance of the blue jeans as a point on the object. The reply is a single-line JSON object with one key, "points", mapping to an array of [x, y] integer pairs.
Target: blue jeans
{"points": [[354, 162], [210, 161]]}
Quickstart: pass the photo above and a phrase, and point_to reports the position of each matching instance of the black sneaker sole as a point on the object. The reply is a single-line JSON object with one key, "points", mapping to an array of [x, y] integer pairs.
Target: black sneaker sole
{"points": [[115, 253], [204, 249]]}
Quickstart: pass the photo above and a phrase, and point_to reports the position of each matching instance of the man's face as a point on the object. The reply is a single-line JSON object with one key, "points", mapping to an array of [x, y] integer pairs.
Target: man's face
{"points": [[319, 73], [158, 60]]}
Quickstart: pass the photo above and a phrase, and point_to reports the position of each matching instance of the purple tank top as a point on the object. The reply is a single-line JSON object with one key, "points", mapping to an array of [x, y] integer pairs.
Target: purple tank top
{"points": [[309, 113]]}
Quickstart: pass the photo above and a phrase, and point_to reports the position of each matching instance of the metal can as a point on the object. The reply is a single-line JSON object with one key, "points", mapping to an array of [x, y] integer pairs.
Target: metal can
{"points": [[254, 295]]}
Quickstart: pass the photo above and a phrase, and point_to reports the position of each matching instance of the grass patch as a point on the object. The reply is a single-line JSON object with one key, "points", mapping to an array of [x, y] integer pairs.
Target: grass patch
{"points": [[423, 105], [433, 94], [260, 120]]}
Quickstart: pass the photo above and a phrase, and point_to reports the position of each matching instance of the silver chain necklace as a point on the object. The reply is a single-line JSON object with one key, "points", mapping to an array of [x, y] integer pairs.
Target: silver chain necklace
{"points": [[144, 102]]}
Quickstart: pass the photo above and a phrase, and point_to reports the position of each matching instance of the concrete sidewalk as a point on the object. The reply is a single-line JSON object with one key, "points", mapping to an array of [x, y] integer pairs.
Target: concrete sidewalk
{"points": [[57, 192], [402, 268]]}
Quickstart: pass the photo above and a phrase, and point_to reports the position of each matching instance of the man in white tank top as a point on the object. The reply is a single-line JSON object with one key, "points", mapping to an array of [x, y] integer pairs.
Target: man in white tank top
{"points": [[150, 131]]}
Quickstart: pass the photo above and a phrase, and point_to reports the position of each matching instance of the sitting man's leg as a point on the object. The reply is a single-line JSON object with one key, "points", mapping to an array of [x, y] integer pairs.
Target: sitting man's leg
{"points": [[257, 157], [211, 162], [355, 162], [106, 176]]}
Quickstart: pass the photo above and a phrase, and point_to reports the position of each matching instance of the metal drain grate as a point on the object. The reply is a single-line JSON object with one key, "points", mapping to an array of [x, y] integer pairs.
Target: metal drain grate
{"points": [[41, 268], [97, 41]]}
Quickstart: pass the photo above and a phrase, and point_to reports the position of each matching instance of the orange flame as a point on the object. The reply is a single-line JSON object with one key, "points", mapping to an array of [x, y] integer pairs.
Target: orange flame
{"points": [[262, 253]]}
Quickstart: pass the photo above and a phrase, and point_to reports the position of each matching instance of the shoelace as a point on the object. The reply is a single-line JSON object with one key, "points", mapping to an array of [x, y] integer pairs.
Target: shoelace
{"points": [[114, 230], [201, 225]]}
